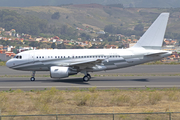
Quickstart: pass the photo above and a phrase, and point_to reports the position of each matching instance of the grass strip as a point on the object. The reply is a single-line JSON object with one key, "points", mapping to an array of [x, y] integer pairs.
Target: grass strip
{"points": [[90, 100]]}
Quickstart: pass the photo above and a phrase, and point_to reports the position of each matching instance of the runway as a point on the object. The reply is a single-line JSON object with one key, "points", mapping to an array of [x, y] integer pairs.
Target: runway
{"points": [[122, 82], [134, 69], [99, 82]]}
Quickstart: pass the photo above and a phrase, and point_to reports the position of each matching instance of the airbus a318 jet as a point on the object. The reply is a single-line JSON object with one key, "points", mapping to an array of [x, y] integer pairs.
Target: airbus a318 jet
{"points": [[65, 62]]}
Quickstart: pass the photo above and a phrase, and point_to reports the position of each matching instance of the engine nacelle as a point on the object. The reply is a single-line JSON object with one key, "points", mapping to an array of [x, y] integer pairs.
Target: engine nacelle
{"points": [[59, 72]]}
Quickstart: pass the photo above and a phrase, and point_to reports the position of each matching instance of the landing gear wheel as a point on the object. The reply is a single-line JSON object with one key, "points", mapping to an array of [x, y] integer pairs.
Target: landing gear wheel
{"points": [[85, 78], [89, 76], [32, 79]]}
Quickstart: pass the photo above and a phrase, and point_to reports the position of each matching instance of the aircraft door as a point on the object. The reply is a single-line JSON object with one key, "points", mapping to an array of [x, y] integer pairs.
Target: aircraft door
{"points": [[31, 56]]}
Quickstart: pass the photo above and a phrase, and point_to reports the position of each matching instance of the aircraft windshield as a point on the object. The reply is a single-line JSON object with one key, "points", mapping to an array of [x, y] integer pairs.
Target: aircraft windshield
{"points": [[18, 56]]}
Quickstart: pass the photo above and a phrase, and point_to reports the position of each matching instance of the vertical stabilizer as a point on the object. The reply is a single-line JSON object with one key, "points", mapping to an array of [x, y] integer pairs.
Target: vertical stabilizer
{"points": [[153, 37]]}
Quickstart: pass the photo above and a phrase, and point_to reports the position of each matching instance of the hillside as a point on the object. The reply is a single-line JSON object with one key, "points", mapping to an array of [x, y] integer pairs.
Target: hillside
{"points": [[96, 16], [126, 3]]}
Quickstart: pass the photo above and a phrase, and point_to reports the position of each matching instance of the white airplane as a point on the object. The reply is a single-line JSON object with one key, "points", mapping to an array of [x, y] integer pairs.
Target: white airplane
{"points": [[64, 62]]}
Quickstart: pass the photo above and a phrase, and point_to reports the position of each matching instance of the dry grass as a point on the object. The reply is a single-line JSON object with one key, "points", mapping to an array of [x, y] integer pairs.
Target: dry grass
{"points": [[54, 101], [48, 9], [2, 63]]}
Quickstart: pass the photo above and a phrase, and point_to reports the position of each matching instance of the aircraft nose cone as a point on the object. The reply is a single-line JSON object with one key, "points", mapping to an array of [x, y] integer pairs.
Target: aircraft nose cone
{"points": [[8, 63]]}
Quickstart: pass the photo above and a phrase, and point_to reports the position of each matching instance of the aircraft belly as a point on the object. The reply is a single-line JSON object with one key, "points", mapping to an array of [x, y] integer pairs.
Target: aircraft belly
{"points": [[112, 62]]}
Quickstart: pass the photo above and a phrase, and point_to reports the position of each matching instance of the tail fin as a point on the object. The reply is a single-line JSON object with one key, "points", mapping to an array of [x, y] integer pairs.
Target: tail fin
{"points": [[153, 37]]}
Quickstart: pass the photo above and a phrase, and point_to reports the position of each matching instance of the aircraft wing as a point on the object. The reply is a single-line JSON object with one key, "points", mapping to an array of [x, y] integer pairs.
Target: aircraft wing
{"points": [[86, 64]]}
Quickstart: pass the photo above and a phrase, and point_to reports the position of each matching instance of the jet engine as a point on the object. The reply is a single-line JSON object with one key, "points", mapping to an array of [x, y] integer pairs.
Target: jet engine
{"points": [[61, 72]]}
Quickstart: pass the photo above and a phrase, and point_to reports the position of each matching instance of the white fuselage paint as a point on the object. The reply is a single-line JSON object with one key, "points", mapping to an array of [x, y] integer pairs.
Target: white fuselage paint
{"points": [[42, 60]]}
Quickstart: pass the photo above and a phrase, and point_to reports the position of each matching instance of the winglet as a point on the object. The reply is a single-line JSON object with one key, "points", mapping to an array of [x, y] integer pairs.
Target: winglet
{"points": [[153, 37]]}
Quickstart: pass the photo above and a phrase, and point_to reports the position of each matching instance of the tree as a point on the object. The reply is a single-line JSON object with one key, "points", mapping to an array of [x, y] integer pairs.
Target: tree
{"points": [[110, 29], [64, 29], [56, 15], [53, 45], [61, 46], [139, 27], [83, 35], [22, 24], [34, 44], [44, 45]]}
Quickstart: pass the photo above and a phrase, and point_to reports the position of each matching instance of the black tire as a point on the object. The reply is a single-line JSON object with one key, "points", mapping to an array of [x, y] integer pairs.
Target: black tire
{"points": [[32, 79], [89, 76], [85, 79]]}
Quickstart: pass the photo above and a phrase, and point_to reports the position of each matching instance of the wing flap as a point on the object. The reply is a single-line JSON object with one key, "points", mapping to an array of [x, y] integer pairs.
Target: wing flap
{"points": [[86, 64]]}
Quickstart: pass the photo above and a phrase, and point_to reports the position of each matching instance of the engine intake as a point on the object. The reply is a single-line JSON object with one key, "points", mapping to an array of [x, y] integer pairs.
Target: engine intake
{"points": [[59, 72]]}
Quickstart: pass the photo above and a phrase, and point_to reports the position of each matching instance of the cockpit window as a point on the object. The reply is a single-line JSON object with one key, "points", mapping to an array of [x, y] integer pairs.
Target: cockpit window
{"points": [[18, 57]]}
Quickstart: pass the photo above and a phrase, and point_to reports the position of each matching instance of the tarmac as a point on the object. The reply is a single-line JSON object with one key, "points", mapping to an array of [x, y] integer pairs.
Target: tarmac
{"points": [[108, 82]]}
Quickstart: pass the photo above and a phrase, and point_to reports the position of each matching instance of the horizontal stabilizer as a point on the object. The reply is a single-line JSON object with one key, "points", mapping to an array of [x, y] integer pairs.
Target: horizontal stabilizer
{"points": [[156, 54]]}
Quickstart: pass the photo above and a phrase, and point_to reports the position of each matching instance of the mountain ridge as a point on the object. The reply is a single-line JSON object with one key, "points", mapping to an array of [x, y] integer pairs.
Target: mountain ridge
{"points": [[126, 3]]}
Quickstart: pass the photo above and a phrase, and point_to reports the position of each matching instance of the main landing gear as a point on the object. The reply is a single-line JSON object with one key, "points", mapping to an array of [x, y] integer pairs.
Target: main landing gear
{"points": [[33, 74], [86, 78]]}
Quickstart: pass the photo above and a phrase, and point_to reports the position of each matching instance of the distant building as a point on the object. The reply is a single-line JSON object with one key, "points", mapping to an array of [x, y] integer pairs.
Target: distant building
{"points": [[131, 44], [174, 56], [100, 39], [8, 33], [38, 39], [169, 42], [45, 40], [13, 32], [133, 36], [2, 29], [59, 41], [135, 41], [101, 32], [111, 47], [56, 37], [27, 36]]}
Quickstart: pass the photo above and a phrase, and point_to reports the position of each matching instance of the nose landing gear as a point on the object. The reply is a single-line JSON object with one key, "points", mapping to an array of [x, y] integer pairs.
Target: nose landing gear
{"points": [[33, 74]]}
